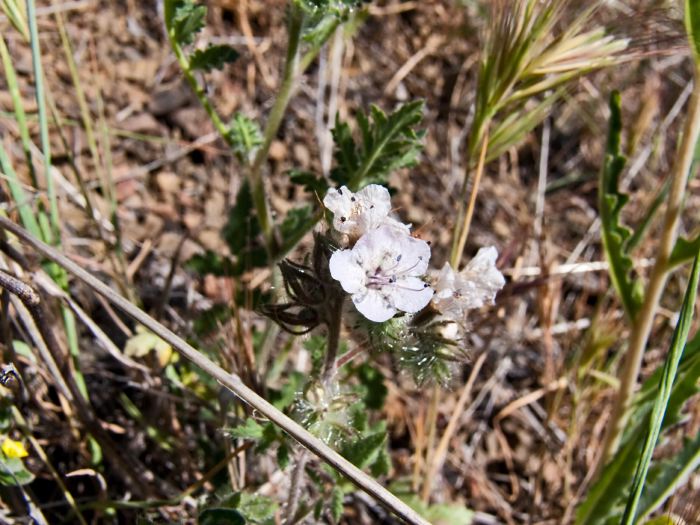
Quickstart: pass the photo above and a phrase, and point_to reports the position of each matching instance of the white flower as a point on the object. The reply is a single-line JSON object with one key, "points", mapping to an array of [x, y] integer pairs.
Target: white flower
{"points": [[473, 287], [357, 213], [382, 273]]}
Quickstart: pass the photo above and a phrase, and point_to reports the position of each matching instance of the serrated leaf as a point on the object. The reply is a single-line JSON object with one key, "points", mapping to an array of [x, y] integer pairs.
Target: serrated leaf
{"points": [[213, 57], [184, 19], [692, 26], [611, 201], [336, 504], [245, 136], [256, 508], [364, 451], [312, 183], [387, 143], [220, 516], [250, 429]]}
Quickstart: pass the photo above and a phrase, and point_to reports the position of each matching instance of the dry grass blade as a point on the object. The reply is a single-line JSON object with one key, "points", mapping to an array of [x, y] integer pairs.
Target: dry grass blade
{"points": [[231, 381]]}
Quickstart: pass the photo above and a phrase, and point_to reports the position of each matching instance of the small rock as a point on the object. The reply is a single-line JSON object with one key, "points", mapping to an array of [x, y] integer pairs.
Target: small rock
{"points": [[168, 182], [278, 151]]}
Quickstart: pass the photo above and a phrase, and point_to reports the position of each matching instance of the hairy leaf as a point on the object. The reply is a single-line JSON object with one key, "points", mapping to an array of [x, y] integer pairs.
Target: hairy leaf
{"points": [[245, 136], [184, 19], [250, 429], [336, 505], [213, 57], [364, 451], [611, 202], [387, 143]]}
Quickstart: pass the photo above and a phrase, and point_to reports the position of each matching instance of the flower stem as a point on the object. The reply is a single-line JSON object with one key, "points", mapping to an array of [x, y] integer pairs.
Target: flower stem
{"points": [[296, 486], [659, 274], [335, 318]]}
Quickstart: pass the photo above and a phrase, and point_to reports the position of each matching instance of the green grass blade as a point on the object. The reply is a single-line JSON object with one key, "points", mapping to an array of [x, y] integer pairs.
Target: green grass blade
{"points": [[680, 336], [26, 213], [43, 121], [692, 26]]}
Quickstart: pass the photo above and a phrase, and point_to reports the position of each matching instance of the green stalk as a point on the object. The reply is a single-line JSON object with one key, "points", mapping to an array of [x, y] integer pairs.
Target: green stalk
{"points": [[52, 227], [680, 336], [291, 68], [54, 231], [659, 274]]}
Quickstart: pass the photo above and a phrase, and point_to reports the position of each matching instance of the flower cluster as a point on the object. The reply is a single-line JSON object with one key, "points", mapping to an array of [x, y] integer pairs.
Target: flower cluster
{"points": [[383, 267], [382, 271]]}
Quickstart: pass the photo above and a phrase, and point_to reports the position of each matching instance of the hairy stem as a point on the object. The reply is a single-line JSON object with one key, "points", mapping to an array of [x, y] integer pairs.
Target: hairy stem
{"points": [[659, 274], [274, 119], [335, 318], [296, 486]]}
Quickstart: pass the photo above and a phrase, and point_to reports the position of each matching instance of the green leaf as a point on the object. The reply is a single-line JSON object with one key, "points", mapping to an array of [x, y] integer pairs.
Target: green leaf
{"points": [[250, 429], [257, 509], [364, 451], [220, 516], [336, 505], [665, 391], [312, 183], [373, 380], [387, 143], [188, 19], [283, 456], [242, 233], [684, 250], [13, 472], [245, 136], [665, 477], [213, 57], [611, 201], [605, 501], [439, 514], [692, 26]]}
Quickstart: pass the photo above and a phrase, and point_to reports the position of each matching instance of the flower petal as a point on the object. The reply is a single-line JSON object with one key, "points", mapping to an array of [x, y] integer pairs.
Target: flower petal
{"points": [[415, 253], [480, 279], [344, 268], [410, 294], [374, 306]]}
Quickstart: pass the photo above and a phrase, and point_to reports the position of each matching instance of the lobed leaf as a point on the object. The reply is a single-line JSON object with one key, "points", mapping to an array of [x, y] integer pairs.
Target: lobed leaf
{"points": [[245, 136], [212, 57], [611, 202], [184, 19], [387, 143]]}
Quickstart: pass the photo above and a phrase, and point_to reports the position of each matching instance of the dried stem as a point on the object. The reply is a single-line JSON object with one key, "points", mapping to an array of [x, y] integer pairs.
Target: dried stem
{"points": [[229, 380], [296, 486], [659, 274], [32, 301]]}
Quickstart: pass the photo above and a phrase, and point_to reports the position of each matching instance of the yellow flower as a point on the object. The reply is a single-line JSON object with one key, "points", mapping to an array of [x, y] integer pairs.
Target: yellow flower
{"points": [[13, 449]]}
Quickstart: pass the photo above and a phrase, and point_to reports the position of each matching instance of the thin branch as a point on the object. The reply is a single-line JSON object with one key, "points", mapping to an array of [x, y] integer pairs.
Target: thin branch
{"points": [[231, 381]]}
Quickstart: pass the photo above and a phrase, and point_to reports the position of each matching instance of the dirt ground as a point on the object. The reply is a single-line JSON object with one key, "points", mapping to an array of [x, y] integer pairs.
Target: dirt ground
{"points": [[528, 436]]}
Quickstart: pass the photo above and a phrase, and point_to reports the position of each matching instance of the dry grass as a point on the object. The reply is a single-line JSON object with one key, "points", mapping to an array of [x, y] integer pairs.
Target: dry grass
{"points": [[526, 433]]}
